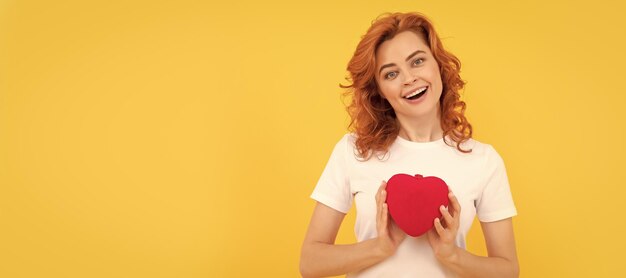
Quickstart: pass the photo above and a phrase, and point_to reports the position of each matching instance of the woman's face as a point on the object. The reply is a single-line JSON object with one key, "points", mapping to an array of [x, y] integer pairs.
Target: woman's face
{"points": [[408, 76]]}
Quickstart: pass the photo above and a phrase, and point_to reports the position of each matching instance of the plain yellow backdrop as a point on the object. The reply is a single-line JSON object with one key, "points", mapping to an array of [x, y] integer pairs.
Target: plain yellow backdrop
{"points": [[183, 138]]}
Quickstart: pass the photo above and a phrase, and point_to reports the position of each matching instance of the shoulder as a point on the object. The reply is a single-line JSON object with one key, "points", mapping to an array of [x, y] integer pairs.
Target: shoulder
{"points": [[347, 141], [481, 149], [345, 145], [492, 160], [350, 138]]}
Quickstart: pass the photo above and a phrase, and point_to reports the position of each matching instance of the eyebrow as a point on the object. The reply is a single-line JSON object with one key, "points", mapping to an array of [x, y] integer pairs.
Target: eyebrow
{"points": [[407, 58]]}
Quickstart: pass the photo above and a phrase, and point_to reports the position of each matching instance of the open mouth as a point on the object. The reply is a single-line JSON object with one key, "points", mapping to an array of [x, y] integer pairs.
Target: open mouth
{"points": [[417, 94]]}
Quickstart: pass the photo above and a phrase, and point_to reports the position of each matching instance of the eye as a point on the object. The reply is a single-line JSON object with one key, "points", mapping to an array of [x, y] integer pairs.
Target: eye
{"points": [[390, 75], [418, 61]]}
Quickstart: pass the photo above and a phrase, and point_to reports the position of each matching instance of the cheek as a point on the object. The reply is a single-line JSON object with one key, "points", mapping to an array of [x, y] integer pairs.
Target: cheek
{"points": [[434, 75], [437, 76], [388, 89]]}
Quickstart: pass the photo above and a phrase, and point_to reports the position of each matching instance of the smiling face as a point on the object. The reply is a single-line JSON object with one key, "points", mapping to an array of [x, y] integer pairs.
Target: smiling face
{"points": [[408, 76]]}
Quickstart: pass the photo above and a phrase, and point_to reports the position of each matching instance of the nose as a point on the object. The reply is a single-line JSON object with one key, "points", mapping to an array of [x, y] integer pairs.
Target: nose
{"points": [[410, 78]]}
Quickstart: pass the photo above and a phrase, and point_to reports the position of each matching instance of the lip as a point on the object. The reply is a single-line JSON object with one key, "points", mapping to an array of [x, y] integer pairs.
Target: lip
{"points": [[413, 90], [420, 98]]}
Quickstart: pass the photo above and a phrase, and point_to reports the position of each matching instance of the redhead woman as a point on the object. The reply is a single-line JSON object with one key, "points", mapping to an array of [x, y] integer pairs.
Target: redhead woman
{"points": [[407, 117]]}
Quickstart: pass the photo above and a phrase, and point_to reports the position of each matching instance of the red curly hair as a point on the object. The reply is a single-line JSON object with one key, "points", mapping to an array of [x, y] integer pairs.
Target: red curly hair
{"points": [[373, 119]]}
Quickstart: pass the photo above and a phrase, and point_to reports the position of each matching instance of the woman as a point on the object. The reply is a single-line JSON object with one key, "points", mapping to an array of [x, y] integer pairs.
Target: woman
{"points": [[407, 117]]}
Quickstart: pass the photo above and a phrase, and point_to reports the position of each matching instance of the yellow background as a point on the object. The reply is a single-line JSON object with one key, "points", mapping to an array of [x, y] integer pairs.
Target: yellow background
{"points": [[183, 138]]}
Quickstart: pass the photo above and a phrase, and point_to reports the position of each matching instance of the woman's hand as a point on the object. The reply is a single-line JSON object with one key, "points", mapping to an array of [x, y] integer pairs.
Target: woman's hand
{"points": [[442, 237], [389, 234]]}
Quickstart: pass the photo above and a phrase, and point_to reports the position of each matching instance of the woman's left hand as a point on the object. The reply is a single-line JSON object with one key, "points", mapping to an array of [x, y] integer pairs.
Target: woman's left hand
{"points": [[443, 236]]}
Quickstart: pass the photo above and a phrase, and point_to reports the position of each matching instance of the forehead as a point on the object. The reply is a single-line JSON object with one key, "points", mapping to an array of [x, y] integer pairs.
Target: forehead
{"points": [[399, 47]]}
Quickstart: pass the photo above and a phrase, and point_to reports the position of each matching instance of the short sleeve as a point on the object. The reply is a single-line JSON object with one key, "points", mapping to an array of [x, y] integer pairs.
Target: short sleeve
{"points": [[333, 187], [495, 202]]}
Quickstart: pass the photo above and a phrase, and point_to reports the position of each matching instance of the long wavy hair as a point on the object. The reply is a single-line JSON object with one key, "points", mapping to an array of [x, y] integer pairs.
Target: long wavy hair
{"points": [[373, 119]]}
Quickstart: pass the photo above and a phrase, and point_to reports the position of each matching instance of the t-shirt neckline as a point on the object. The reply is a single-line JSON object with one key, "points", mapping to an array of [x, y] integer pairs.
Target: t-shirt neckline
{"points": [[420, 145]]}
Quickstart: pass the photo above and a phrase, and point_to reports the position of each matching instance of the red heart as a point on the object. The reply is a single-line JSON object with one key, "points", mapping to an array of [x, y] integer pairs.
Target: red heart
{"points": [[414, 201]]}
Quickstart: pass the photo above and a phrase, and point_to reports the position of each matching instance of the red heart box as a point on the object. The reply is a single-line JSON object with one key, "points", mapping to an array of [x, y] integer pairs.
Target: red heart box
{"points": [[414, 201]]}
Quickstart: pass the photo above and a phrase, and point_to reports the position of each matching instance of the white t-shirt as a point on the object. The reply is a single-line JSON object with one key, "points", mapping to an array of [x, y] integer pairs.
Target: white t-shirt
{"points": [[478, 179]]}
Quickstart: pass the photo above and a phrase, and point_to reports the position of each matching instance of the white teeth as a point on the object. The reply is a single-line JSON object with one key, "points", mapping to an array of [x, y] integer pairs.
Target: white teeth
{"points": [[416, 92]]}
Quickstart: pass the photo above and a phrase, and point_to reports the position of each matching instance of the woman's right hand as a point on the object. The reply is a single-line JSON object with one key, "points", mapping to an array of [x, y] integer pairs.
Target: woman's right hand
{"points": [[389, 234]]}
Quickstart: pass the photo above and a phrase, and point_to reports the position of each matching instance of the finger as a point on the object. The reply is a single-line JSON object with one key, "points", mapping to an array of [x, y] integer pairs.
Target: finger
{"points": [[440, 230], [446, 216], [383, 197], [385, 217], [383, 205], [456, 207], [380, 190], [379, 212], [432, 236]]}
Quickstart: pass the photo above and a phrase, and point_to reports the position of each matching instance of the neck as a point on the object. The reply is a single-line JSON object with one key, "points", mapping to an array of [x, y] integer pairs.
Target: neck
{"points": [[422, 129]]}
